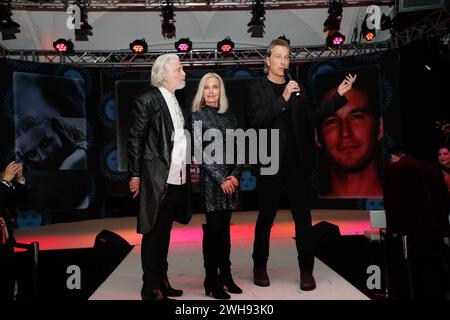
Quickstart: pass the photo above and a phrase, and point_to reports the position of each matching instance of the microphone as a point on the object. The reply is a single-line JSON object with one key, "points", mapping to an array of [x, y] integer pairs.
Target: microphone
{"points": [[287, 74]]}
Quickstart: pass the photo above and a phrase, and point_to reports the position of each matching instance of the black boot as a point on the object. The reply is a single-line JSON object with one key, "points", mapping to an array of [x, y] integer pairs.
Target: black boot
{"points": [[227, 281], [306, 264], [260, 276], [167, 289], [153, 294], [225, 263], [215, 288], [212, 284], [307, 281]]}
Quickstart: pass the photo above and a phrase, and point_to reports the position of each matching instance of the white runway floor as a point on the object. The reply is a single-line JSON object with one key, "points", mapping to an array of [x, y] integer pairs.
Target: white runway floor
{"points": [[186, 272]]}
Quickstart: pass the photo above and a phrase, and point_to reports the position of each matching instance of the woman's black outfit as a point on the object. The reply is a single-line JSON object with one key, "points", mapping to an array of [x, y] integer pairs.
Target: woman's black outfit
{"points": [[216, 204]]}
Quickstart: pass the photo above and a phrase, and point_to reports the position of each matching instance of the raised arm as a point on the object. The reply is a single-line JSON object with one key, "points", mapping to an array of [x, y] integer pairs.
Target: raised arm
{"points": [[337, 101]]}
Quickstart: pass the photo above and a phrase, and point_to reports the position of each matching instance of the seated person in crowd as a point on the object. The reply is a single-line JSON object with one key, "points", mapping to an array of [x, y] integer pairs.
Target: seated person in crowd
{"points": [[12, 192]]}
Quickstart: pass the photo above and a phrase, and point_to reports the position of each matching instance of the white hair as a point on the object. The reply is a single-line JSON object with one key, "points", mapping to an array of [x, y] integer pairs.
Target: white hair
{"points": [[159, 69]]}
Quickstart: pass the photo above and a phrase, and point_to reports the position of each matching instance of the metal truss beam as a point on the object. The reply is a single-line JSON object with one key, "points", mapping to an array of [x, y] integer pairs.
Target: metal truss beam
{"points": [[253, 56], [437, 23], [185, 5]]}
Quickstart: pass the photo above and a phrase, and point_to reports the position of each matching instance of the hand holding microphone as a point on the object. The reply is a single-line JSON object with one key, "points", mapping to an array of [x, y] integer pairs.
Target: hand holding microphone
{"points": [[291, 87]]}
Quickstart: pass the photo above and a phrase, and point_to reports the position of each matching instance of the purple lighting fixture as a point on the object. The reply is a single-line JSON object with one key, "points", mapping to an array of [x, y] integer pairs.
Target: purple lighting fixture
{"points": [[332, 25], [183, 45]]}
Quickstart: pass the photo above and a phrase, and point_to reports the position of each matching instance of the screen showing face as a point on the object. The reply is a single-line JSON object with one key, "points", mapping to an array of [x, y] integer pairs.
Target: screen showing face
{"points": [[50, 129], [349, 140]]}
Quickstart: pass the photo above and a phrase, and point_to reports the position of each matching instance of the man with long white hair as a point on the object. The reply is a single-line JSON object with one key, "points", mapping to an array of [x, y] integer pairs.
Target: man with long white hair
{"points": [[158, 171]]}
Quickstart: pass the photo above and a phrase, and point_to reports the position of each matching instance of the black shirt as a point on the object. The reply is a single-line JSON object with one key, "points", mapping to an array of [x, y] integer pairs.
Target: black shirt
{"points": [[290, 153]]}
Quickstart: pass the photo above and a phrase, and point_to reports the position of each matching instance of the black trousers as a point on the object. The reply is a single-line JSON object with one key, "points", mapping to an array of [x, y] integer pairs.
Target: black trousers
{"points": [[219, 222], [269, 188], [425, 275], [218, 239], [155, 244]]}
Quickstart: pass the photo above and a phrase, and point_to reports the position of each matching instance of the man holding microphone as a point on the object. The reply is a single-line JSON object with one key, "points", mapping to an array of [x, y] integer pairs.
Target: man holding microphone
{"points": [[277, 103]]}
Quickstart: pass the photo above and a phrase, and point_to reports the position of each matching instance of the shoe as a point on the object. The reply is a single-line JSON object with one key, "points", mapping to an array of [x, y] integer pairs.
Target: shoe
{"points": [[307, 282], [260, 277], [231, 286], [155, 294], [167, 289], [215, 290]]}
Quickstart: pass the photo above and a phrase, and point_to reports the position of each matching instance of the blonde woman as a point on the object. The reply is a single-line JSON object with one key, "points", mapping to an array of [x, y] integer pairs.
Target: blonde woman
{"points": [[219, 186]]}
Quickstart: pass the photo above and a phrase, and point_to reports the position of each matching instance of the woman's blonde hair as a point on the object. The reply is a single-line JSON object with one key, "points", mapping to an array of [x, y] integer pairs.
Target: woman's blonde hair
{"points": [[199, 101]]}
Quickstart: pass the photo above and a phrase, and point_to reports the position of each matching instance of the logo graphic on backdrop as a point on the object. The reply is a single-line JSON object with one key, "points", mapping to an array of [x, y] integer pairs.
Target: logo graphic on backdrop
{"points": [[248, 181], [50, 129], [29, 219]]}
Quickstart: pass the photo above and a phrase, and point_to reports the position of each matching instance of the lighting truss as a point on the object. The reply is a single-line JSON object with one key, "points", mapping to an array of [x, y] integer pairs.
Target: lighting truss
{"points": [[207, 57], [154, 5], [436, 23]]}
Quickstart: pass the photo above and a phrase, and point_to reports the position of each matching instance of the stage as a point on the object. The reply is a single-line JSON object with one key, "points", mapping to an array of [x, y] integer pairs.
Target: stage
{"points": [[186, 263]]}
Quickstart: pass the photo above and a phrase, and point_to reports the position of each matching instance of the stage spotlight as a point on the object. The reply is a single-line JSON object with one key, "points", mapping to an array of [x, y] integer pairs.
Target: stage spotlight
{"points": [[370, 34], [139, 46], [256, 24], [335, 39], [183, 45], [333, 22], [332, 25], [8, 27], [225, 46], [63, 45], [366, 33], [85, 29], [168, 21]]}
